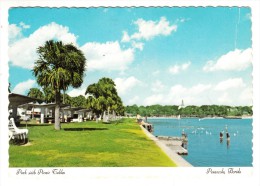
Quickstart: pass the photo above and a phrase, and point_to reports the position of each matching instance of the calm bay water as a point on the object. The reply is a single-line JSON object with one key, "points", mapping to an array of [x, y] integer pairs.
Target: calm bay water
{"points": [[204, 146]]}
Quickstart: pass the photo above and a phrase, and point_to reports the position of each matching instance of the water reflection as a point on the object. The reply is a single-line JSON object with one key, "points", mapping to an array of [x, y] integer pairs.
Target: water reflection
{"points": [[228, 143]]}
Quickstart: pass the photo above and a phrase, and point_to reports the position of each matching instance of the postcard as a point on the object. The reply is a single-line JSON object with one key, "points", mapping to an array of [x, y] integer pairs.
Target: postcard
{"points": [[132, 93]]}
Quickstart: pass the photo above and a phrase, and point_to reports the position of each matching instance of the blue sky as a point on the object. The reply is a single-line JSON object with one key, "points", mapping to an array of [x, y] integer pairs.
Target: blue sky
{"points": [[154, 55]]}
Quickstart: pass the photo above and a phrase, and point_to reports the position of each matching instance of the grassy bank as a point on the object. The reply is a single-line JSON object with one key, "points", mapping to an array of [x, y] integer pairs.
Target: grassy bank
{"points": [[88, 144]]}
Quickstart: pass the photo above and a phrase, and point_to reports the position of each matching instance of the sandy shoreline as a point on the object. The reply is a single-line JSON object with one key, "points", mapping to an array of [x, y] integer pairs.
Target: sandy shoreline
{"points": [[177, 159]]}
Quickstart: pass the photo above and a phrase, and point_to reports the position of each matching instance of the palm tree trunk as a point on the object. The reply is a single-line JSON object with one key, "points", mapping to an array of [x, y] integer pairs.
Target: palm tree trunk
{"points": [[57, 124], [63, 100]]}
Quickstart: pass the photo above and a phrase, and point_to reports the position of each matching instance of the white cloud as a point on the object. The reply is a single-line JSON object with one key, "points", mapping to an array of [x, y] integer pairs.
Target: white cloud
{"points": [[138, 45], [200, 88], [24, 26], [22, 87], [149, 29], [23, 52], [204, 94], [236, 60], [247, 95], [224, 99], [174, 69], [178, 68], [77, 92], [178, 90], [157, 86], [185, 66], [182, 20], [107, 56], [126, 37], [231, 83], [125, 84], [100, 56], [14, 32], [195, 95], [233, 91], [155, 73], [134, 100], [154, 99]]}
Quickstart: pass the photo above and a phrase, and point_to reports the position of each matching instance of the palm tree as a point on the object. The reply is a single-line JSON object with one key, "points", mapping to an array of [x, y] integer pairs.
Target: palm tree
{"points": [[58, 67], [35, 93]]}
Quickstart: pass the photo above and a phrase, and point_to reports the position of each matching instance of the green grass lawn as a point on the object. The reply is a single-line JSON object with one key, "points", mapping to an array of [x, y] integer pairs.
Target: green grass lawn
{"points": [[88, 144]]}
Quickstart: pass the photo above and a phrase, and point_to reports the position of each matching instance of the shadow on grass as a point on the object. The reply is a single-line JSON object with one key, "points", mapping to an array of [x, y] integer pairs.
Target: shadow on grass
{"points": [[33, 125], [84, 129]]}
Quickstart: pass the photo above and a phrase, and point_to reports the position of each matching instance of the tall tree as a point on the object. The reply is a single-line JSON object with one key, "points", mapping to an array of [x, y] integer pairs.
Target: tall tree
{"points": [[58, 67], [78, 101], [66, 99], [104, 97], [49, 94], [35, 93]]}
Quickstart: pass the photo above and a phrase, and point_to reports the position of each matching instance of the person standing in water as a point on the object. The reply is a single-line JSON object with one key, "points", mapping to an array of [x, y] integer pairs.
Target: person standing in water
{"points": [[228, 140], [228, 137], [227, 134]]}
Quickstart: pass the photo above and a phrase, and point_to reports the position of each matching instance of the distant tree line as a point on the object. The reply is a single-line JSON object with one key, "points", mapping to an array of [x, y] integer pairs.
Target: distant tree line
{"points": [[189, 111]]}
